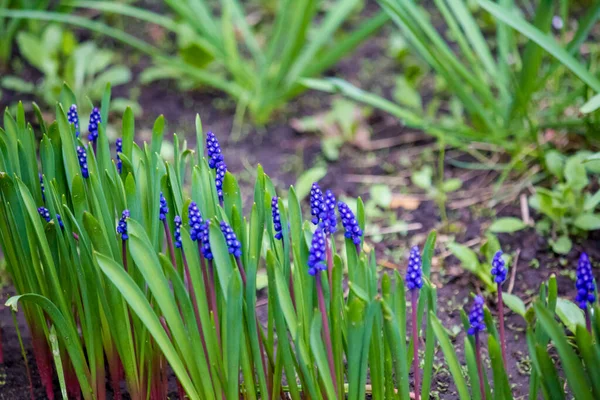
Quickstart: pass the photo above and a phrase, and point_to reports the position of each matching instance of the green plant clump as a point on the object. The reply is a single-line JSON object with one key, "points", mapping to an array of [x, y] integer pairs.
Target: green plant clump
{"points": [[126, 263]]}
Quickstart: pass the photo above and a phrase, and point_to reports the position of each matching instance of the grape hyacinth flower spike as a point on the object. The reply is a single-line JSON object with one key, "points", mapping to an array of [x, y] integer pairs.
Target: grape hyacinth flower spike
{"points": [[330, 223], [164, 208], [276, 218], [44, 213], [351, 228], [316, 255], [499, 273], [586, 287], [73, 118], [82, 157], [233, 245], [317, 204], [122, 230], [195, 221], [213, 150], [477, 325], [95, 120], [220, 177], [119, 146], [414, 283], [178, 223]]}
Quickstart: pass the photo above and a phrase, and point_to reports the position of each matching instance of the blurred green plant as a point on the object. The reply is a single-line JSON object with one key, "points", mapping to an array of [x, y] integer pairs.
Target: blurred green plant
{"points": [[86, 68], [496, 86], [568, 207], [259, 67]]}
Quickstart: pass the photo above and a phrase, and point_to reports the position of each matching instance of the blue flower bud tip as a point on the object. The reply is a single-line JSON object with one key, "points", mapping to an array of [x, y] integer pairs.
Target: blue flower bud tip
{"points": [[330, 222], [119, 146], [122, 225], [213, 150], [82, 157], [585, 284], [95, 120], [351, 228], [414, 272], [220, 177], [499, 270], [233, 244], [322, 209], [317, 203], [476, 317], [316, 253], [178, 223], [276, 217], [73, 118], [164, 209]]}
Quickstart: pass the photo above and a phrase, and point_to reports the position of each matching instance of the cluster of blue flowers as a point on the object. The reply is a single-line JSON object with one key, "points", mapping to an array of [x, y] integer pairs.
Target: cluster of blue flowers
{"points": [[276, 218], [73, 118], [44, 213], [586, 287], [221, 171], [119, 146], [122, 225], [499, 270], [316, 255], [233, 244], [214, 150], [164, 208], [205, 240], [322, 208], [82, 156], [177, 235], [95, 120], [414, 272], [476, 317], [351, 228], [195, 221]]}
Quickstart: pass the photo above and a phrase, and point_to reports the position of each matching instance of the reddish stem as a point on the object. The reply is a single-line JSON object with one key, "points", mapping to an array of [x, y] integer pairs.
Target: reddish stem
{"points": [[208, 275], [124, 253], [41, 352], [415, 334], [479, 367], [326, 332], [329, 261], [114, 367], [501, 324], [588, 320]]}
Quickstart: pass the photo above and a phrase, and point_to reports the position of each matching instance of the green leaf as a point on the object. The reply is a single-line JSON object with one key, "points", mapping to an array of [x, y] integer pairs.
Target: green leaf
{"points": [[515, 304], [507, 225], [591, 105], [451, 185], [555, 162], [306, 179], [423, 177], [570, 314], [575, 174], [562, 245], [587, 222], [381, 195]]}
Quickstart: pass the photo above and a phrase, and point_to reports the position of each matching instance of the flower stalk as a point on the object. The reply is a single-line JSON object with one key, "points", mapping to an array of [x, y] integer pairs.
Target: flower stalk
{"points": [[499, 272]]}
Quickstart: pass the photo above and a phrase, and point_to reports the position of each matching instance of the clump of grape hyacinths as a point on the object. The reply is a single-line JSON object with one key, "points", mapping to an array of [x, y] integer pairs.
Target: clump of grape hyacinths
{"points": [[122, 225], [82, 157], [477, 325], [214, 150], [178, 223], [414, 282], [276, 218], [586, 287], [351, 228], [44, 213], [119, 146], [233, 244], [95, 120], [221, 170], [42, 187], [73, 118], [499, 273]]}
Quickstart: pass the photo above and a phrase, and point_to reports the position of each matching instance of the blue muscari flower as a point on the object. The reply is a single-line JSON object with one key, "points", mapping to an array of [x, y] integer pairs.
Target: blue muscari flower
{"points": [[44, 213], [414, 272], [82, 156], [498, 268], [205, 239], [95, 120], [60, 222], [214, 150], [317, 203], [585, 282], [316, 253], [195, 221], [42, 186], [330, 222], [221, 170], [122, 226], [476, 317], [73, 118], [233, 244], [349, 222], [276, 218], [164, 208], [178, 223], [119, 145]]}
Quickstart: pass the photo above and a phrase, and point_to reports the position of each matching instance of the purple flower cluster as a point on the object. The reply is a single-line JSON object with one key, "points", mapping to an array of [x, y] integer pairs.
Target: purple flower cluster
{"points": [[476, 317], [322, 208], [351, 228], [233, 244], [95, 120], [119, 145], [316, 255], [585, 284], [122, 225], [221, 170], [164, 208], [205, 239], [60, 222], [195, 221], [499, 270], [214, 150], [82, 156], [73, 118], [330, 224], [414, 272], [276, 217], [178, 223], [44, 213]]}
